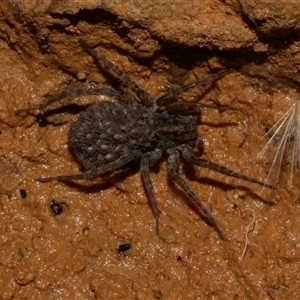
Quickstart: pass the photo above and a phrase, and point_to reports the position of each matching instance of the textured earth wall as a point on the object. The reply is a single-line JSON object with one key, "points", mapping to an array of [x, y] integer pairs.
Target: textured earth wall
{"points": [[75, 254]]}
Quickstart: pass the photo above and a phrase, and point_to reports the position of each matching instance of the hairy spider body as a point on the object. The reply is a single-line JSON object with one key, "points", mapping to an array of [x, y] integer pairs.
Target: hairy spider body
{"points": [[110, 134], [107, 131]]}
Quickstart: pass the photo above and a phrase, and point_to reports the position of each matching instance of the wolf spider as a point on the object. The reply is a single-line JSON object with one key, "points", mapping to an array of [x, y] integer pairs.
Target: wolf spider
{"points": [[110, 134]]}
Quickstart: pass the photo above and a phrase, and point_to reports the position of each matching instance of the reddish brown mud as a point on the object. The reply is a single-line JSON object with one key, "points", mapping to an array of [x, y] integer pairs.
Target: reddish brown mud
{"points": [[74, 255]]}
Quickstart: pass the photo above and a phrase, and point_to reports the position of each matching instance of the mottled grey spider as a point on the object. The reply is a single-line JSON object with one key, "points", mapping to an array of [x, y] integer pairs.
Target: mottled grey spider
{"points": [[110, 134]]}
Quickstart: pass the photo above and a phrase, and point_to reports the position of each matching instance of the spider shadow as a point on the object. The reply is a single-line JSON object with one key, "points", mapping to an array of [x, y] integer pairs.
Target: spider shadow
{"points": [[211, 182], [190, 173], [113, 179]]}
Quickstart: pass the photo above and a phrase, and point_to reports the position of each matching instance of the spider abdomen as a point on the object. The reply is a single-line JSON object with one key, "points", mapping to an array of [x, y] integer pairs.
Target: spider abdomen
{"points": [[108, 130]]}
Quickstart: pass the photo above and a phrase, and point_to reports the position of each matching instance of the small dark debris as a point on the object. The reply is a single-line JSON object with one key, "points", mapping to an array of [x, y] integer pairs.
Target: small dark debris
{"points": [[20, 253], [157, 294], [23, 193], [179, 258], [85, 230], [42, 121], [123, 248], [56, 207]]}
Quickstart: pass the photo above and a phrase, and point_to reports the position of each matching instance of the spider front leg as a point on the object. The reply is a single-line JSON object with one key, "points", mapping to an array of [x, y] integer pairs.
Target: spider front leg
{"points": [[173, 162], [69, 92], [151, 158], [93, 172], [190, 157], [140, 93], [171, 97]]}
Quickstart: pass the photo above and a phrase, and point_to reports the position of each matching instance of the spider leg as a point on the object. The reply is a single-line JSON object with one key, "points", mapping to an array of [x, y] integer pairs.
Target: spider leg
{"points": [[93, 172], [115, 183], [187, 108], [190, 157], [105, 91], [140, 93], [170, 97], [148, 159], [173, 162]]}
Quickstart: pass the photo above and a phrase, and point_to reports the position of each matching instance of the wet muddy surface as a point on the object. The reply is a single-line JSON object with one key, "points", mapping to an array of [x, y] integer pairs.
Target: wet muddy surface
{"points": [[96, 239]]}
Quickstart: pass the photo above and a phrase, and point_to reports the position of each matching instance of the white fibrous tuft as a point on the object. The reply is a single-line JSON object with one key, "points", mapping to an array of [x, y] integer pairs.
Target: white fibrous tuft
{"points": [[285, 136]]}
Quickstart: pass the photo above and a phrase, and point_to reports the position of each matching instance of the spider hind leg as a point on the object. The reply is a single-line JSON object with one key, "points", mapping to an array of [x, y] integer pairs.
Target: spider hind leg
{"points": [[151, 158], [190, 157], [173, 162]]}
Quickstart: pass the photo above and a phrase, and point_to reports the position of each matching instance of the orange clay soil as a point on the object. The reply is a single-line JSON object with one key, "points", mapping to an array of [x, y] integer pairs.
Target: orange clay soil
{"points": [[74, 255]]}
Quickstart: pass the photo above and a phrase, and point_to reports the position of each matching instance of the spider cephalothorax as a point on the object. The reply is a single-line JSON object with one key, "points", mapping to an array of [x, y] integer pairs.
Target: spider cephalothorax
{"points": [[110, 134]]}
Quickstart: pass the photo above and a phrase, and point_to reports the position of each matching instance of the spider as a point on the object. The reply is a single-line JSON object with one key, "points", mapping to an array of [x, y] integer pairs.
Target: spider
{"points": [[110, 134]]}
